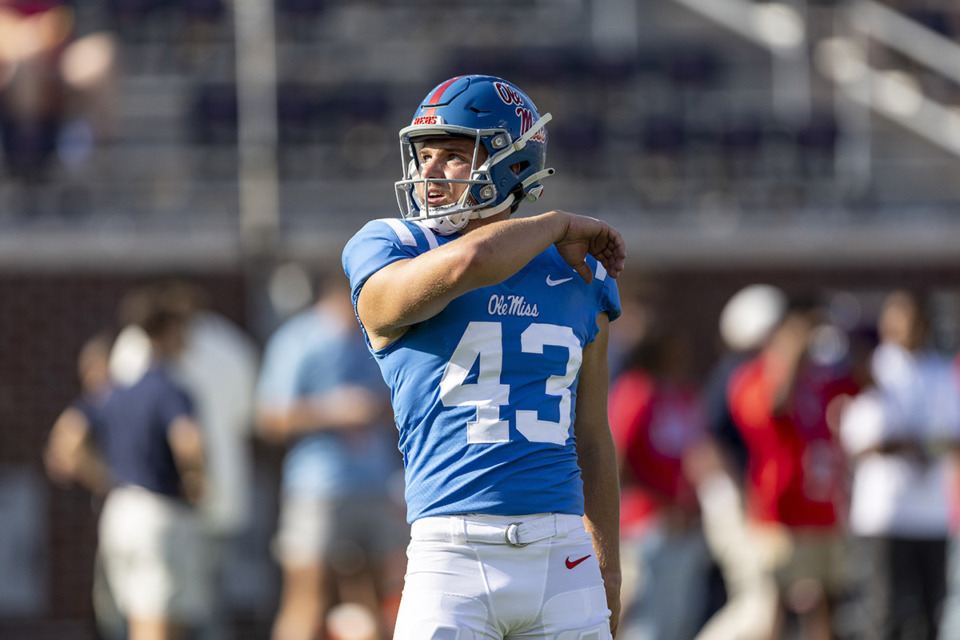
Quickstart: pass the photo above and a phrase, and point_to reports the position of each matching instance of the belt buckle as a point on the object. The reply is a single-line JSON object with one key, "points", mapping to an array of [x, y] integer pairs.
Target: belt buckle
{"points": [[511, 535]]}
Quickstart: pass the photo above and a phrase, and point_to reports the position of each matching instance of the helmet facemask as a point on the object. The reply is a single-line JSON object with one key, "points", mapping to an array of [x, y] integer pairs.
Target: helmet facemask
{"points": [[481, 198], [478, 195]]}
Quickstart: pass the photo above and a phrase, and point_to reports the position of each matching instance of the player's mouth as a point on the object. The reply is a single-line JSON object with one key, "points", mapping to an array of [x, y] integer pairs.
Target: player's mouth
{"points": [[436, 197]]}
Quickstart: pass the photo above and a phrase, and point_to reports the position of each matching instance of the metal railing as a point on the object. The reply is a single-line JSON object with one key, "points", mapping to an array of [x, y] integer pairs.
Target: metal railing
{"points": [[781, 29]]}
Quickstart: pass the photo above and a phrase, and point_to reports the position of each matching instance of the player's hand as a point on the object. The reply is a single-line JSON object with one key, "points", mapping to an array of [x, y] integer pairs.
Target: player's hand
{"points": [[589, 236]]}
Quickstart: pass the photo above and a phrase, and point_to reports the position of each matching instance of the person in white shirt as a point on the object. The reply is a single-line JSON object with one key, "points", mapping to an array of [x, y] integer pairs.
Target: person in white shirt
{"points": [[898, 432]]}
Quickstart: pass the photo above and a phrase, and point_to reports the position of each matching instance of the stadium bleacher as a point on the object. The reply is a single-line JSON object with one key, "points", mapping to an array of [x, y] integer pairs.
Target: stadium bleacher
{"points": [[685, 112]]}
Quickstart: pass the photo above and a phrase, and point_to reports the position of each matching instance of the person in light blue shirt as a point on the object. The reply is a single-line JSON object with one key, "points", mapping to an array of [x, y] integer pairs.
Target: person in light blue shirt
{"points": [[321, 395], [492, 335]]}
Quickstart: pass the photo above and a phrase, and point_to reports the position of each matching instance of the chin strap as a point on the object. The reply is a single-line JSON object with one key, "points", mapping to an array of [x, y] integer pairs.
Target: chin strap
{"points": [[492, 211], [536, 191]]}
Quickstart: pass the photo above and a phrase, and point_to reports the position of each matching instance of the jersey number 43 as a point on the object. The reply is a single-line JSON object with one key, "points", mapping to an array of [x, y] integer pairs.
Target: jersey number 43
{"points": [[483, 341]]}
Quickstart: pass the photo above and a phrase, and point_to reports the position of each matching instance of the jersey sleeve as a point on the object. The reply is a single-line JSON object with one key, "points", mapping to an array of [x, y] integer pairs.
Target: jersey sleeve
{"points": [[380, 243], [609, 292]]}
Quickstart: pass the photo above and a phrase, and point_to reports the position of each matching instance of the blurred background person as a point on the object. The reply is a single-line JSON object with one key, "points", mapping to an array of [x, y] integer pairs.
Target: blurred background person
{"points": [[718, 467], [657, 418], [151, 543], [70, 457], [321, 394], [747, 610], [745, 324], [218, 366], [57, 88], [950, 620], [795, 482], [901, 433]]}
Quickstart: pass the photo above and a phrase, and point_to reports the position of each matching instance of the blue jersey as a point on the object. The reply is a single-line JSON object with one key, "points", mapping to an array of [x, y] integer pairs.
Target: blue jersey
{"points": [[484, 393]]}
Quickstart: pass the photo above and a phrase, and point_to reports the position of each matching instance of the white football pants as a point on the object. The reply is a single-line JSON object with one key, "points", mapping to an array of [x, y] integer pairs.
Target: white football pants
{"points": [[482, 577]]}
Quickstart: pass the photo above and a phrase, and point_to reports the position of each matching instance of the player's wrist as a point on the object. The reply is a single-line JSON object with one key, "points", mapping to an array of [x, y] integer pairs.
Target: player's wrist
{"points": [[560, 224], [612, 577]]}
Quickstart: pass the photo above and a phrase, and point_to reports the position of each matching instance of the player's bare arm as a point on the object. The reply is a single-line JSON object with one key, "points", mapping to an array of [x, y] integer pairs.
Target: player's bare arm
{"points": [[410, 291], [598, 464]]}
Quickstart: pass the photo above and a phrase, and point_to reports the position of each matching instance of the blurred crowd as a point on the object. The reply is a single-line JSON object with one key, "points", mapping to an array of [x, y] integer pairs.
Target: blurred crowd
{"points": [[173, 395], [802, 484], [806, 489]]}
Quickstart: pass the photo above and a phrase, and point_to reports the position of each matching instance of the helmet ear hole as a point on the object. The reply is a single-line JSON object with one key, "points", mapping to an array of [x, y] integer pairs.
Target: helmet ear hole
{"points": [[519, 167]]}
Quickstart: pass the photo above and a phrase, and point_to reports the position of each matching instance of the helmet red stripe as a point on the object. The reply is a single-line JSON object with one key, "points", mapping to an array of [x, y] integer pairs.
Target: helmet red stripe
{"points": [[435, 98]]}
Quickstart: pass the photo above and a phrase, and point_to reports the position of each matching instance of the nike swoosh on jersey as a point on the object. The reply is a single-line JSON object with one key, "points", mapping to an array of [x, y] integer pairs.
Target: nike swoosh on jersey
{"points": [[572, 563], [552, 283]]}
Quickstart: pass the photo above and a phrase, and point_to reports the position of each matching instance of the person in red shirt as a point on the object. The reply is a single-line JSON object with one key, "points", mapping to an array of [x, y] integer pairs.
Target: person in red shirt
{"points": [[781, 402], [657, 418]]}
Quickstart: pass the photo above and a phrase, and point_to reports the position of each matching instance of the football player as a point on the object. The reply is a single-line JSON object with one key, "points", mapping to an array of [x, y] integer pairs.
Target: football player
{"points": [[491, 332]]}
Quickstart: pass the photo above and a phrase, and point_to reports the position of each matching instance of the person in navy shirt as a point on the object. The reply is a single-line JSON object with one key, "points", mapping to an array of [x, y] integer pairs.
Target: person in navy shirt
{"points": [[151, 542], [491, 333]]}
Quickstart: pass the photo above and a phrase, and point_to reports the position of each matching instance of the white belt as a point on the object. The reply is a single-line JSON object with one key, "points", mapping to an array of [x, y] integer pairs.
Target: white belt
{"points": [[516, 531]]}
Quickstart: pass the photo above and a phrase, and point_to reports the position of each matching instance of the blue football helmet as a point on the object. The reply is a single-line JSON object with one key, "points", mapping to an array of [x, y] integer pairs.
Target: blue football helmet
{"points": [[494, 113]]}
